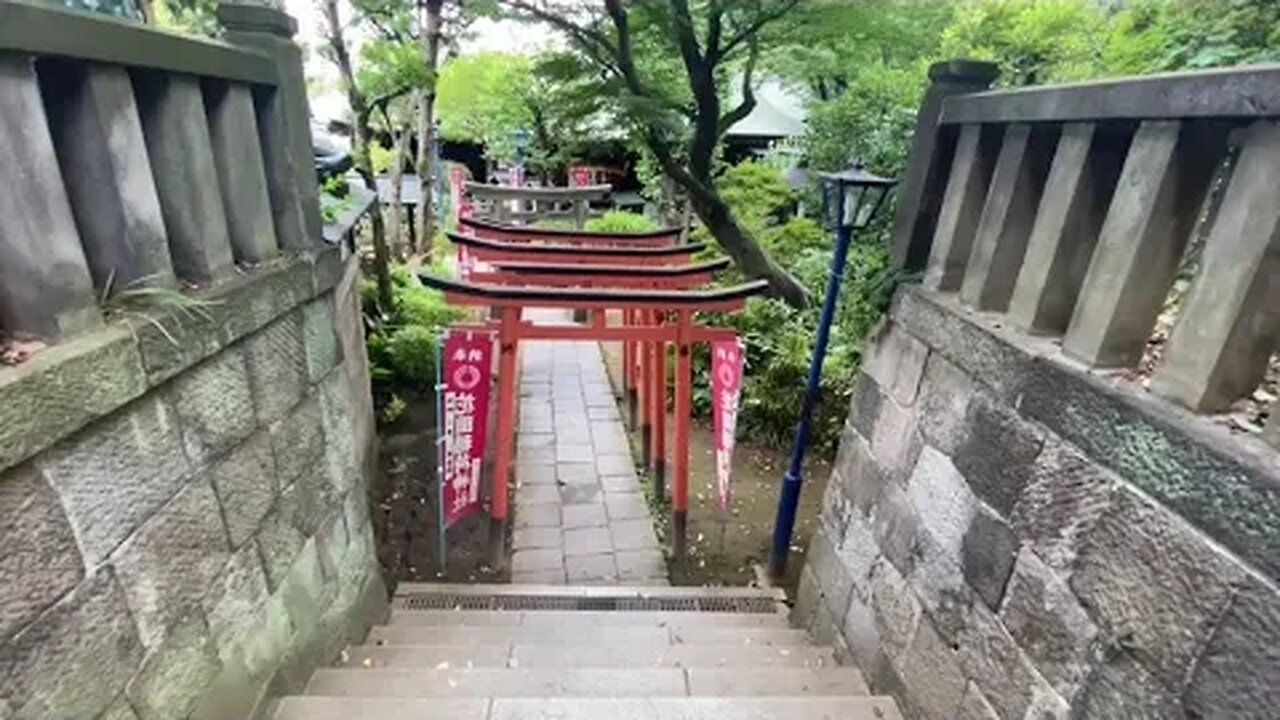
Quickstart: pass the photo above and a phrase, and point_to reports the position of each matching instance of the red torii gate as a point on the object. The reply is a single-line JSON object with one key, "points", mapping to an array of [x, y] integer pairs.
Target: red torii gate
{"points": [[650, 309], [491, 230]]}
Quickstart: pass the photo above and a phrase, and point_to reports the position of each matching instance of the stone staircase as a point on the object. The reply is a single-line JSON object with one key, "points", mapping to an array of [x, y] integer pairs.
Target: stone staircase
{"points": [[512, 652]]}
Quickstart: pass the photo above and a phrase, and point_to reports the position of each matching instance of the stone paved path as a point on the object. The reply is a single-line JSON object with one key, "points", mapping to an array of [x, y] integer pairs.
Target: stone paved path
{"points": [[580, 517]]}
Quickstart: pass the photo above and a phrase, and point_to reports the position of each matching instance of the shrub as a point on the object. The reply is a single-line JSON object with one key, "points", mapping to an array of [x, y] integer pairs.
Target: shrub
{"points": [[620, 221], [411, 352]]}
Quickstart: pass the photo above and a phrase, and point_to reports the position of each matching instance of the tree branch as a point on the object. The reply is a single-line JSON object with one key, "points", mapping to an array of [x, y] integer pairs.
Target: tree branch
{"points": [[754, 27], [748, 103]]}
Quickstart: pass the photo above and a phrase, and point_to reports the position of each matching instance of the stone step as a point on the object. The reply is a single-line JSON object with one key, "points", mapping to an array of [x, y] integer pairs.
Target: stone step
{"points": [[587, 591], [568, 620], [582, 682], [787, 708], [586, 635], [601, 656]]}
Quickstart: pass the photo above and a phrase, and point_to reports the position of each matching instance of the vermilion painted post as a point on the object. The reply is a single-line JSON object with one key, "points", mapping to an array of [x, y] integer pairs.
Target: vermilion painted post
{"points": [[683, 409], [629, 370], [658, 460], [646, 391], [509, 321]]}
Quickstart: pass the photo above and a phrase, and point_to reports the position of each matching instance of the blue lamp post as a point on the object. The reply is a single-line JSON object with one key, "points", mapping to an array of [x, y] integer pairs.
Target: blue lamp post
{"points": [[850, 200]]}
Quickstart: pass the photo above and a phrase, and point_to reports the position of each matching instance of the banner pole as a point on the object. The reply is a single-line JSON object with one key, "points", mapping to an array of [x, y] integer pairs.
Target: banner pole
{"points": [[441, 548]]}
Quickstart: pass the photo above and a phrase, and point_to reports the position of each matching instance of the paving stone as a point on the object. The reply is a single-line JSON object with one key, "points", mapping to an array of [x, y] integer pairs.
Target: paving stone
{"points": [[633, 534], [640, 565], [537, 456], [576, 516], [577, 473], [530, 516], [536, 538], [530, 440], [626, 506], [581, 494], [539, 577], [537, 495], [167, 566], [625, 484], [535, 474], [535, 560], [573, 453], [587, 541], [580, 568], [76, 657], [615, 464], [603, 412], [41, 561]]}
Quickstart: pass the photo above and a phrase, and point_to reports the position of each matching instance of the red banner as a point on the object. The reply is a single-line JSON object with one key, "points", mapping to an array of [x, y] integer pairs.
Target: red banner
{"points": [[467, 370], [727, 360], [466, 263], [580, 176], [457, 178]]}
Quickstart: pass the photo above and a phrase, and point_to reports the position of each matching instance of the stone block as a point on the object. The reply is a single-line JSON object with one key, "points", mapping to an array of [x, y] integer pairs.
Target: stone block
{"points": [[587, 541], [279, 542], [987, 555], [215, 405], [858, 551], [930, 674], [575, 516], [1227, 493], [1121, 688], [245, 481], [896, 527], [114, 474], [942, 501], [305, 594], [1153, 584], [896, 361], [119, 710], [538, 516], [1061, 505], [298, 443], [864, 407], [990, 657], [307, 503], [580, 494], [862, 478], [324, 352], [1238, 674], [235, 600], [896, 611], [625, 506], [41, 561], [938, 582], [974, 705], [895, 442], [76, 657], [945, 392], [998, 454], [836, 510], [1049, 624], [535, 560], [536, 538], [938, 323], [166, 567], [833, 577], [176, 674], [640, 565], [277, 367], [860, 634], [64, 387], [344, 453], [631, 535]]}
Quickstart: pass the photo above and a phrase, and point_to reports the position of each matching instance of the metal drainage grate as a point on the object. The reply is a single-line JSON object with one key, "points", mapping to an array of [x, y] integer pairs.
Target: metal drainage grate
{"points": [[446, 601]]}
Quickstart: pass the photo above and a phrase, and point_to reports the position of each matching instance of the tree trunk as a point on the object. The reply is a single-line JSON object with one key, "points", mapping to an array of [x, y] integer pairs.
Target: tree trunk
{"points": [[432, 31], [396, 178], [747, 254], [360, 148]]}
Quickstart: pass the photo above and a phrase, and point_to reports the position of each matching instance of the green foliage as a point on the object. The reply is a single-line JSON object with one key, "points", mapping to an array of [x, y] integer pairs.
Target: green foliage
{"points": [[479, 99], [1033, 41], [620, 221], [402, 340], [872, 121], [1155, 35], [757, 192]]}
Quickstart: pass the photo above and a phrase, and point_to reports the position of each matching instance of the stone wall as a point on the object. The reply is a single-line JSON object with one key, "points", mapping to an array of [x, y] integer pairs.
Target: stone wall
{"points": [[183, 512], [1008, 536]]}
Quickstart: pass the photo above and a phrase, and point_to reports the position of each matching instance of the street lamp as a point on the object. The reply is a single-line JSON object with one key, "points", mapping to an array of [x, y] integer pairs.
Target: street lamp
{"points": [[850, 200]]}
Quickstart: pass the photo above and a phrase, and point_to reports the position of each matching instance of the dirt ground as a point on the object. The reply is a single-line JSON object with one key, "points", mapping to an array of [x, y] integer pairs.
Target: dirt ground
{"points": [[725, 548], [403, 505]]}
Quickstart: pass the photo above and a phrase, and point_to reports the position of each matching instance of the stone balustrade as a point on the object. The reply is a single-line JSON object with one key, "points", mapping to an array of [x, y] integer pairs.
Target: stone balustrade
{"points": [[1071, 211], [506, 204], [133, 156]]}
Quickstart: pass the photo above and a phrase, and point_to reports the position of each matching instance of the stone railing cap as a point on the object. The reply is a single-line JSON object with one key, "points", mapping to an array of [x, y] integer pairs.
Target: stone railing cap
{"points": [[257, 18]]}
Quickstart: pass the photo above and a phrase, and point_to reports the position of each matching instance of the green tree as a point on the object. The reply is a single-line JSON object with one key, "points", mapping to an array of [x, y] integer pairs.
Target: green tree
{"points": [[479, 98], [670, 62]]}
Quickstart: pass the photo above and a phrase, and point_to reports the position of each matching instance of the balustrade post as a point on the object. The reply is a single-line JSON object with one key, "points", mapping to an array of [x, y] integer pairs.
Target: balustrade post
{"points": [[237, 153], [45, 286], [1230, 320], [1081, 181], [919, 197], [97, 134], [1157, 200], [962, 202], [284, 120]]}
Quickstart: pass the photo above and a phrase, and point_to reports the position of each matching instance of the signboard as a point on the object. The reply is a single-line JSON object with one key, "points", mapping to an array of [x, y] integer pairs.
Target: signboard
{"points": [[457, 178], [466, 263], [466, 374], [580, 176], [727, 359]]}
